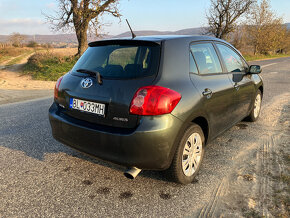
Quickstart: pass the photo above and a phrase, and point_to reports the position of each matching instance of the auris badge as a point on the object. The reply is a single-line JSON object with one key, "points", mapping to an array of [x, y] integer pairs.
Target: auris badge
{"points": [[86, 83]]}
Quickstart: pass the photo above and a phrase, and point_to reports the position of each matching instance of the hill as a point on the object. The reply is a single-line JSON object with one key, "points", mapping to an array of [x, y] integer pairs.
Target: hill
{"points": [[190, 31], [54, 39], [71, 38]]}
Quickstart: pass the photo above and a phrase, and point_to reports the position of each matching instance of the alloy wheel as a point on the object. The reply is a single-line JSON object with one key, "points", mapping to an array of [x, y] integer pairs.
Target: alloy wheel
{"points": [[191, 156]]}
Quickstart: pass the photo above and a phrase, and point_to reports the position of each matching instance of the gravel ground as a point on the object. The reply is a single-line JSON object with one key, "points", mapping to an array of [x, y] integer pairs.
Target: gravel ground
{"points": [[40, 177]]}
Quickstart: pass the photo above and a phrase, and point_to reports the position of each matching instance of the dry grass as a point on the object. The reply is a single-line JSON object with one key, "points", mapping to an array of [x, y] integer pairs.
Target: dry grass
{"points": [[61, 51]]}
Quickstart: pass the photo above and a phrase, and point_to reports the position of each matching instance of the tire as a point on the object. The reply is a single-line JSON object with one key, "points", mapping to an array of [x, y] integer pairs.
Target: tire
{"points": [[255, 112], [179, 171]]}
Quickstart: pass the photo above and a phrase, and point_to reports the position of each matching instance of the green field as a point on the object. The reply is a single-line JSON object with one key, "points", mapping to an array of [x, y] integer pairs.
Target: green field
{"points": [[46, 66]]}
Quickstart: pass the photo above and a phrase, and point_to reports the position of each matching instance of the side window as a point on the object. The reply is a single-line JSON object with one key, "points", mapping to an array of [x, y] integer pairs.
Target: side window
{"points": [[206, 58], [192, 65], [231, 59]]}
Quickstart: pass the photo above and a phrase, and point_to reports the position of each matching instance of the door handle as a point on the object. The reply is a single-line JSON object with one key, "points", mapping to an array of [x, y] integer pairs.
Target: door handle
{"points": [[207, 92], [237, 87]]}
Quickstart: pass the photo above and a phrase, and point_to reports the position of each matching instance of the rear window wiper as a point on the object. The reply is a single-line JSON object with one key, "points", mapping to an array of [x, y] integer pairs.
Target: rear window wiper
{"points": [[92, 73]]}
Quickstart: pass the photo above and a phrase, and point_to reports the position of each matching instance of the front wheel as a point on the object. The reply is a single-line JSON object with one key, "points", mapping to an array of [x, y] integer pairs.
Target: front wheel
{"points": [[188, 156], [254, 115]]}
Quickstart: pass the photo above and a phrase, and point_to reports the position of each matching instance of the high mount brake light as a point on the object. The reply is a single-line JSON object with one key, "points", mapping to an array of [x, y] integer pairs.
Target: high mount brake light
{"points": [[154, 100], [56, 87]]}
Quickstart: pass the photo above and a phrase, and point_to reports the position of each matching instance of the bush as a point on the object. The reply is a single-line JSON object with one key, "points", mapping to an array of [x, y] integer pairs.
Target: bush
{"points": [[48, 66], [32, 44]]}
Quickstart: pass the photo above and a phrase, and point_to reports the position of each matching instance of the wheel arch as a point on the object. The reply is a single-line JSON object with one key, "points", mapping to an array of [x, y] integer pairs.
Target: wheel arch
{"points": [[261, 88], [203, 123]]}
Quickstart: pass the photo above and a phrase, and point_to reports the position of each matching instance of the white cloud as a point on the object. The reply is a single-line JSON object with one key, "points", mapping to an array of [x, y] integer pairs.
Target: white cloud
{"points": [[24, 26]]}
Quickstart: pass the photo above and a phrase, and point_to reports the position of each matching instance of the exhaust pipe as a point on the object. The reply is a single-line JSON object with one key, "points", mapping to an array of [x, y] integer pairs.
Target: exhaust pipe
{"points": [[131, 173]]}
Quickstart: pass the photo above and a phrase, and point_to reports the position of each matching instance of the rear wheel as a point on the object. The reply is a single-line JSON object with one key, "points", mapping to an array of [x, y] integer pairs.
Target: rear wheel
{"points": [[254, 115], [188, 156]]}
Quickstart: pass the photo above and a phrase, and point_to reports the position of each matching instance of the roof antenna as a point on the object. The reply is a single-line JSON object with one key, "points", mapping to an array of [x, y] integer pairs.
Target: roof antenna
{"points": [[133, 35]]}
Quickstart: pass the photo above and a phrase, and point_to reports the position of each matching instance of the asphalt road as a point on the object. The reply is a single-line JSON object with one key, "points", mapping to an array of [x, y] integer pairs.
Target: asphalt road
{"points": [[40, 177]]}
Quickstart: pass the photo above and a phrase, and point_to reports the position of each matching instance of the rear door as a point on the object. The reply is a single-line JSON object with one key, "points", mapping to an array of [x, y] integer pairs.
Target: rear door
{"points": [[244, 86], [215, 87], [124, 66]]}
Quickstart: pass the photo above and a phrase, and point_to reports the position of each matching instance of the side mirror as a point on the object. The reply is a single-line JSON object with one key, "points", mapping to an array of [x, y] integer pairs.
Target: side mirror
{"points": [[254, 69]]}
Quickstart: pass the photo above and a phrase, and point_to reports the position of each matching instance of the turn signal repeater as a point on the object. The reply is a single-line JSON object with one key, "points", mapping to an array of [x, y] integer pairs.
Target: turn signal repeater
{"points": [[56, 87], [154, 100]]}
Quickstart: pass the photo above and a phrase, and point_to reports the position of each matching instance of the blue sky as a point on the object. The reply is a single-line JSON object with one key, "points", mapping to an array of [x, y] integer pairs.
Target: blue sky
{"points": [[25, 16]]}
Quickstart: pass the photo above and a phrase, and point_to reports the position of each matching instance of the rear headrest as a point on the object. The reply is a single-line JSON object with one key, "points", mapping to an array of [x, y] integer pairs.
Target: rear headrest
{"points": [[200, 57], [114, 70], [133, 70]]}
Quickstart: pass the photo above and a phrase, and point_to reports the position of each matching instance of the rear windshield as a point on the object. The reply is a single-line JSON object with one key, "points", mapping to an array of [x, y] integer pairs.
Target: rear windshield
{"points": [[120, 61]]}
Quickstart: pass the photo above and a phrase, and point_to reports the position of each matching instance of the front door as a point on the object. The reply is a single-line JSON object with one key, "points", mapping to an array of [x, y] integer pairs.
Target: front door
{"points": [[244, 86]]}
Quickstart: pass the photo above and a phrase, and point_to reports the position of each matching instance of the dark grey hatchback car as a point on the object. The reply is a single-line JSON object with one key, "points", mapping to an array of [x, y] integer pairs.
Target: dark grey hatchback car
{"points": [[154, 102]]}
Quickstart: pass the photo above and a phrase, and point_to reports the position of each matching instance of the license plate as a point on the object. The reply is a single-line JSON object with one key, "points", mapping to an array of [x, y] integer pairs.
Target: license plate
{"points": [[88, 106]]}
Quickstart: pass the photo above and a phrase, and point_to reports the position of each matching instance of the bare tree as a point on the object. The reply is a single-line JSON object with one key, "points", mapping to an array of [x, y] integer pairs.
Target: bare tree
{"points": [[238, 38], [223, 16], [17, 39], [82, 16], [266, 31]]}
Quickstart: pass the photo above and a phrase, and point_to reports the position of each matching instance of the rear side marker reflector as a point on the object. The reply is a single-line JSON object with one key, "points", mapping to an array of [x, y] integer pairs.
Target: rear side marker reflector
{"points": [[57, 87]]}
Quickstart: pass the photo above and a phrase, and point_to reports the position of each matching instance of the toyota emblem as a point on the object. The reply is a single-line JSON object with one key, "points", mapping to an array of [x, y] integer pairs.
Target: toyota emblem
{"points": [[86, 83]]}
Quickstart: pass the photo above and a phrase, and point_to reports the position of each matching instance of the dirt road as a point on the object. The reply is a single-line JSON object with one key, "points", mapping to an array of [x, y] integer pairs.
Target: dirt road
{"points": [[15, 87]]}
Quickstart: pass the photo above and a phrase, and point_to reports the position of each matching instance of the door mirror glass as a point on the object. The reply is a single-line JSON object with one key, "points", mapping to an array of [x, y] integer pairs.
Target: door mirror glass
{"points": [[255, 69]]}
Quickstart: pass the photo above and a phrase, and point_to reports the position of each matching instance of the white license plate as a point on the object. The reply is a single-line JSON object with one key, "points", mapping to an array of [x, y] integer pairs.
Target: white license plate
{"points": [[88, 106]]}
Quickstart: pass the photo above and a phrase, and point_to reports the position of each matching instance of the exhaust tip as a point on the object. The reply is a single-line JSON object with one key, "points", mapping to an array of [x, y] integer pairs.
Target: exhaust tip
{"points": [[128, 175], [132, 173]]}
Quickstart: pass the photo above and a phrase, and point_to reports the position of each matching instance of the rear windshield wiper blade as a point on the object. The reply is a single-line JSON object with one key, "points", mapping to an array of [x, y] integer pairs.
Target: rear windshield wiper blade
{"points": [[92, 73]]}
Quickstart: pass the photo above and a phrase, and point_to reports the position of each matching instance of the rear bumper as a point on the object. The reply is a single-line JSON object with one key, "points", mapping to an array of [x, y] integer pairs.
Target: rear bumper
{"points": [[150, 146]]}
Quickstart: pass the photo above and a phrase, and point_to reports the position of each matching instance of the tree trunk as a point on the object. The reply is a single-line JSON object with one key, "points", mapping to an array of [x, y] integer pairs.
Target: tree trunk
{"points": [[255, 49], [82, 41]]}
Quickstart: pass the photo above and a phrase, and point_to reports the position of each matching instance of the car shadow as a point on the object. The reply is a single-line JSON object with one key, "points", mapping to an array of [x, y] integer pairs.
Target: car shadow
{"points": [[33, 137]]}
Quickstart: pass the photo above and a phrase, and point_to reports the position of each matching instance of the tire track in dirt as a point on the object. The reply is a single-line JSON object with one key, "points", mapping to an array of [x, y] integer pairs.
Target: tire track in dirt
{"points": [[209, 209], [264, 158]]}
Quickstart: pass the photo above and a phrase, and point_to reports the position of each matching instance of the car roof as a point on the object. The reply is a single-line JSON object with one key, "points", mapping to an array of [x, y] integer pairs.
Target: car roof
{"points": [[160, 38]]}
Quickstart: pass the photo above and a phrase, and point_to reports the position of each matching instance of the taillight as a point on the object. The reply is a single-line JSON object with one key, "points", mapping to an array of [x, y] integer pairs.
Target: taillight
{"points": [[56, 87], [154, 100]]}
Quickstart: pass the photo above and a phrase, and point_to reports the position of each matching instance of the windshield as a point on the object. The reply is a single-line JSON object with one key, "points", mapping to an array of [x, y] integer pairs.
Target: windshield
{"points": [[120, 61]]}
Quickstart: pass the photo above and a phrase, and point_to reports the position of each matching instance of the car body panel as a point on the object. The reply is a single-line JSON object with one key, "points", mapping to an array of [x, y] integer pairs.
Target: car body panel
{"points": [[149, 146]]}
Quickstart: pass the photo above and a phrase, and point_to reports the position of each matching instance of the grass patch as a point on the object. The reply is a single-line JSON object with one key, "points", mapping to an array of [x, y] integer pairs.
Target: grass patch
{"points": [[261, 57], [48, 66]]}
